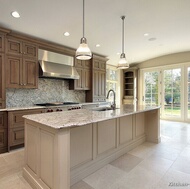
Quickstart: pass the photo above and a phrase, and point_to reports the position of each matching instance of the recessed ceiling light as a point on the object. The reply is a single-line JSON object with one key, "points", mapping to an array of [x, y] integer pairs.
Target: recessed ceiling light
{"points": [[118, 53], [97, 45], [152, 39], [146, 34], [66, 34], [15, 14]]}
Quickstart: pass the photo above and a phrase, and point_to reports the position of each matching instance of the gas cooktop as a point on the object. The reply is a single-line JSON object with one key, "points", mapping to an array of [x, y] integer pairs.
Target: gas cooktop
{"points": [[56, 103]]}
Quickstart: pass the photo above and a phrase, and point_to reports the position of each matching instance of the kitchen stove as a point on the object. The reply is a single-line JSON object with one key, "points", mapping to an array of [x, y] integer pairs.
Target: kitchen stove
{"points": [[60, 106]]}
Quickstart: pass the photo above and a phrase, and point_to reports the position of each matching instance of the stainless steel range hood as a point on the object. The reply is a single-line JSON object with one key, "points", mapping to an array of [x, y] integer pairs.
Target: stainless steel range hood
{"points": [[54, 65]]}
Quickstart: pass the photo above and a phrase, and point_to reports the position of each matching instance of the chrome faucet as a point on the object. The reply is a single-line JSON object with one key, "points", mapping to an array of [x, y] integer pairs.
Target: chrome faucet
{"points": [[113, 105]]}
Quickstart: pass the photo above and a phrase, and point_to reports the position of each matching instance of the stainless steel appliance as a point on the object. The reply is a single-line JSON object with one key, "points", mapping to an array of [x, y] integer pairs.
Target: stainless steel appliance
{"points": [[60, 106], [54, 65]]}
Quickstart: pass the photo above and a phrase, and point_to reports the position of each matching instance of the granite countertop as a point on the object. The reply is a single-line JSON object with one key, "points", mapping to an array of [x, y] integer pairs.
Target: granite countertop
{"points": [[81, 117]]}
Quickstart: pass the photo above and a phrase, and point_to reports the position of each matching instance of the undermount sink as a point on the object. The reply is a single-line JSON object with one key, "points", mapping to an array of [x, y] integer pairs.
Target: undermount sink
{"points": [[103, 109]]}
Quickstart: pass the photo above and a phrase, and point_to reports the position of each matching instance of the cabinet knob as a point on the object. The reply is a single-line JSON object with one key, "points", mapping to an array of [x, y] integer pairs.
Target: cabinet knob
{"points": [[21, 84], [24, 84]]}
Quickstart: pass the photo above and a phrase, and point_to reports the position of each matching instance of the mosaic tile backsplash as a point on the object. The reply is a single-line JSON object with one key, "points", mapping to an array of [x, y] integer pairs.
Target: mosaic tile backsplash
{"points": [[49, 90]]}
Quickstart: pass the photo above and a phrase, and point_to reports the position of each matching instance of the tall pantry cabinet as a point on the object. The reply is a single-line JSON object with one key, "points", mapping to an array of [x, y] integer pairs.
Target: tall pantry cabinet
{"points": [[2, 67]]}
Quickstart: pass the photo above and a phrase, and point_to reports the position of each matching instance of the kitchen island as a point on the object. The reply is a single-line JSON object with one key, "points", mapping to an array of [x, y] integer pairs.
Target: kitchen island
{"points": [[62, 148]]}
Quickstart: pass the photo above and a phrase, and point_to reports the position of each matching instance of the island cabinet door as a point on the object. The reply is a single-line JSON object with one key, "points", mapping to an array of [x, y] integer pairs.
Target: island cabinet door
{"points": [[140, 126], [106, 136], [125, 129], [81, 145]]}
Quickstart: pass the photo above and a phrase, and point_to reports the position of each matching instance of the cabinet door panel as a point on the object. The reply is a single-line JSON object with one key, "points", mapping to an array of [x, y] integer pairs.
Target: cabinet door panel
{"points": [[78, 82], [102, 83], [2, 79], [3, 139], [86, 79], [96, 83], [78, 63], [13, 71], [2, 42], [14, 47], [3, 120], [3, 132], [16, 136], [96, 64], [102, 65], [30, 50], [87, 64], [2, 104], [30, 70]]}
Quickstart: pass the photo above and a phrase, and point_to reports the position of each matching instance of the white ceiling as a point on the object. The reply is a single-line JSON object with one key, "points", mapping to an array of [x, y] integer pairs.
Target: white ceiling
{"points": [[166, 20]]}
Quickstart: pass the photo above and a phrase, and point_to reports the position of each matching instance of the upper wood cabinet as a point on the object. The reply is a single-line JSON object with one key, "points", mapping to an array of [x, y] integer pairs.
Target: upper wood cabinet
{"points": [[98, 80], [83, 69], [21, 73], [21, 48], [2, 82], [21, 64], [2, 43]]}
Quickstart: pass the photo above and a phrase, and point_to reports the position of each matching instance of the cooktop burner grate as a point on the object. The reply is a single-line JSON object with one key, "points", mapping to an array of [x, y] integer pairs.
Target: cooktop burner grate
{"points": [[56, 104]]}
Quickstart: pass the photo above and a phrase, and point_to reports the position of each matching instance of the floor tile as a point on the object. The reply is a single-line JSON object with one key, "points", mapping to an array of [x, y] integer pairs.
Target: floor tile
{"points": [[105, 177], [138, 178], [81, 185], [126, 162], [173, 178], [182, 164], [141, 151], [156, 164]]}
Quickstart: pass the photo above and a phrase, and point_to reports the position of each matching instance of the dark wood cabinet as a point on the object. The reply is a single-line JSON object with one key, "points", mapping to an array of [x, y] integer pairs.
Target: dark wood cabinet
{"points": [[3, 132], [2, 67], [21, 48], [2, 81], [16, 126], [2, 43], [21, 64], [83, 69], [98, 80]]}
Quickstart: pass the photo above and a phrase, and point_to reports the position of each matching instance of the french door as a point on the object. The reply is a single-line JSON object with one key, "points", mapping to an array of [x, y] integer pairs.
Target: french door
{"points": [[164, 87], [172, 98], [151, 88]]}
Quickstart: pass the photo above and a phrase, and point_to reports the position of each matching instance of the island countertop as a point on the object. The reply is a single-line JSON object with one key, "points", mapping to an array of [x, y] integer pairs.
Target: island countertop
{"points": [[81, 117]]}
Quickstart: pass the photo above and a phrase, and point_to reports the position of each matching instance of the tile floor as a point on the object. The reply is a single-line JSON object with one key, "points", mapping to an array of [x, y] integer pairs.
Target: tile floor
{"points": [[149, 166]]}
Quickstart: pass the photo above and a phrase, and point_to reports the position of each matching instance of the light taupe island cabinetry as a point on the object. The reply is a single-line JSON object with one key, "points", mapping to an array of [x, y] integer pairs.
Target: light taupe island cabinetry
{"points": [[62, 148]]}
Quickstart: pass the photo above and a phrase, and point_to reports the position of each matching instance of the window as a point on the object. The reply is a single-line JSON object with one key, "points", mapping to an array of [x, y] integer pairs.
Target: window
{"points": [[112, 82]]}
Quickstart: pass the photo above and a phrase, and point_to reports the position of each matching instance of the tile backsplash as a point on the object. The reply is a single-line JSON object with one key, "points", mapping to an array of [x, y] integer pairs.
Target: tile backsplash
{"points": [[49, 90]]}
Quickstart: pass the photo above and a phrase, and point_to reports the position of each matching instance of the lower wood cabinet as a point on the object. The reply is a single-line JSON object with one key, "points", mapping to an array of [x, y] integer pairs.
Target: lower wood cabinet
{"points": [[3, 132], [16, 126]]}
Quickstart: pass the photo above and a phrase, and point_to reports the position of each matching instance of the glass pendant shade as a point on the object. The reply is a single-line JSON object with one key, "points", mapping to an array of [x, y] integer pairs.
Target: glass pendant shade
{"points": [[123, 64], [83, 52]]}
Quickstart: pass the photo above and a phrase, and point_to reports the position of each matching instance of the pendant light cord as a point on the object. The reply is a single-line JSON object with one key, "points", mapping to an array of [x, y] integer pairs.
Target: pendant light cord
{"points": [[123, 17], [83, 18]]}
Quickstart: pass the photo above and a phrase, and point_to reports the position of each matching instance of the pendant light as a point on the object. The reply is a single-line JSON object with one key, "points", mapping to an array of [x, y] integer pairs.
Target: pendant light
{"points": [[123, 62], [83, 52]]}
